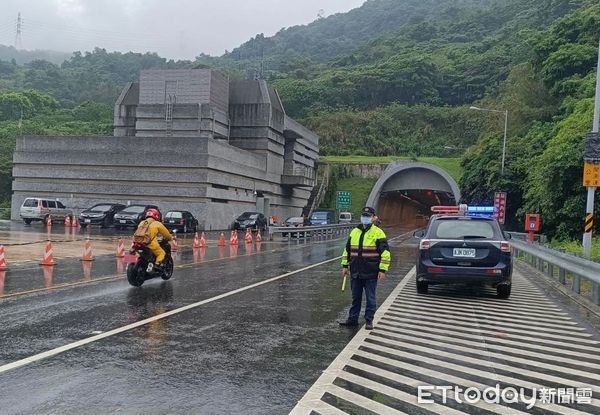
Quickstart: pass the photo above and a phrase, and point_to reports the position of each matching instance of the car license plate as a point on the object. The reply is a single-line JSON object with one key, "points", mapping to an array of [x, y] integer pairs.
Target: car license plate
{"points": [[88, 221], [122, 221], [464, 252]]}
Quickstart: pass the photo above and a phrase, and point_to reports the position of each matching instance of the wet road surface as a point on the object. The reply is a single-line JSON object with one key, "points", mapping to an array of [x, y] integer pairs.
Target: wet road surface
{"points": [[252, 351]]}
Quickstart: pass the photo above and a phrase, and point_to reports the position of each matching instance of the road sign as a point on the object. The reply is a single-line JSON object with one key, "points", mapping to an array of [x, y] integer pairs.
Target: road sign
{"points": [[591, 174], [344, 200], [500, 205]]}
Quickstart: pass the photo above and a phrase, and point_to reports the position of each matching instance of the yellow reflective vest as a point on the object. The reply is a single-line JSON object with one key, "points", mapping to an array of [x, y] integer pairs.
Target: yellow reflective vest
{"points": [[367, 252]]}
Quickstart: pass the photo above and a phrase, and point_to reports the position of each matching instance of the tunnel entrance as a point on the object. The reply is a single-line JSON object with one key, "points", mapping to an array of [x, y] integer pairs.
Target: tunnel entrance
{"points": [[404, 194]]}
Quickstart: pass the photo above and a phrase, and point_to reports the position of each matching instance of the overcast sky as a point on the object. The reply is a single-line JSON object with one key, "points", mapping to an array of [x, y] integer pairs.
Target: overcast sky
{"points": [[179, 29]]}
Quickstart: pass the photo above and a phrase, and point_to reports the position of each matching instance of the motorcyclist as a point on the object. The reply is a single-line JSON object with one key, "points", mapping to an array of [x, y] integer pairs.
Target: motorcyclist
{"points": [[154, 227]]}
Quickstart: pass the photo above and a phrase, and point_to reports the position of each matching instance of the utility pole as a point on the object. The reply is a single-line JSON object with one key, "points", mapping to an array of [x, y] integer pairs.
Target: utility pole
{"points": [[591, 169], [18, 41]]}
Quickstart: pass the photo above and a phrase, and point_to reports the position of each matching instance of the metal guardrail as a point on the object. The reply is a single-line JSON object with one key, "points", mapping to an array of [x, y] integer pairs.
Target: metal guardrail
{"points": [[548, 260], [304, 232], [523, 236]]}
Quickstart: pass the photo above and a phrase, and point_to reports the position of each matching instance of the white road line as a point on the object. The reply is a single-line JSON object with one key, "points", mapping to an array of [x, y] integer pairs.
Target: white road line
{"points": [[83, 342], [362, 401]]}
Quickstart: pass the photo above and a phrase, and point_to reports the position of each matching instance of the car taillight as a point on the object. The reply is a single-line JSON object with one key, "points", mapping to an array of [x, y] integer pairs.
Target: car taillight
{"points": [[504, 246], [494, 271], [181, 221], [435, 269], [425, 244]]}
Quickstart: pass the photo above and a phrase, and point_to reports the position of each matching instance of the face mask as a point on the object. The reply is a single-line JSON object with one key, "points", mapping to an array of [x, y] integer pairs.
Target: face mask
{"points": [[365, 220]]}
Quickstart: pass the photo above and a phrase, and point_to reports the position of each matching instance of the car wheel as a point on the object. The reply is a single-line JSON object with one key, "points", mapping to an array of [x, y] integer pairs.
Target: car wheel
{"points": [[27, 221], [422, 287], [503, 290]]}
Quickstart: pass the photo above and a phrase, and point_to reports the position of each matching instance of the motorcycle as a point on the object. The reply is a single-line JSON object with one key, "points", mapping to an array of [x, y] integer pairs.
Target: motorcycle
{"points": [[142, 267]]}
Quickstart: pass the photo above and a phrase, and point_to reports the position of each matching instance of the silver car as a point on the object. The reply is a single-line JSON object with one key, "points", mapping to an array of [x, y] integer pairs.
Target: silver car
{"points": [[38, 209]]}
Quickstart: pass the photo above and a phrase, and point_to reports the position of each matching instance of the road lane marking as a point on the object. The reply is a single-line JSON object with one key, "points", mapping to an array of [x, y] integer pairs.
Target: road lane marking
{"points": [[83, 342]]}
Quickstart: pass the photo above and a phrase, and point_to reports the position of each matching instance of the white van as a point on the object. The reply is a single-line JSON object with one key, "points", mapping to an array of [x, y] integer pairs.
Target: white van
{"points": [[345, 217], [38, 209]]}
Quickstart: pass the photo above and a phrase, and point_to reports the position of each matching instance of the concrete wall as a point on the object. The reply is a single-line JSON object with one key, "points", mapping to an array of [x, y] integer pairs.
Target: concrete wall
{"points": [[210, 178]]}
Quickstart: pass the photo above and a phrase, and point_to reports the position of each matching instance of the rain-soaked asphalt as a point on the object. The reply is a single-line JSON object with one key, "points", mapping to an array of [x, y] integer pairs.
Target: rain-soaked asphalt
{"points": [[256, 351]]}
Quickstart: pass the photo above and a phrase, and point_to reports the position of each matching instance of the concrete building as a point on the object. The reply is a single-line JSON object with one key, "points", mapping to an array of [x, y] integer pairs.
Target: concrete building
{"points": [[183, 139]]}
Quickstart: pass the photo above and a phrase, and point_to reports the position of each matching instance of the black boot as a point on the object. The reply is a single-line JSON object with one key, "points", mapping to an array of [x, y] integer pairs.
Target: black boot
{"points": [[369, 325]]}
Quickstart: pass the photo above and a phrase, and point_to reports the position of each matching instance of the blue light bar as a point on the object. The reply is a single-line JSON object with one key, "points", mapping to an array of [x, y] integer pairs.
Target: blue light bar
{"points": [[482, 211]]}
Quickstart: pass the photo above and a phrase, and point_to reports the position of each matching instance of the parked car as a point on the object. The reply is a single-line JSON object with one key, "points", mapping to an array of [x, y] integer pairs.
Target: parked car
{"points": [[293, 222], [252, 220], [181, 221], [464, 249], [38, 209], [345, 217], [102, 214], [131, 216], [322, 217]]}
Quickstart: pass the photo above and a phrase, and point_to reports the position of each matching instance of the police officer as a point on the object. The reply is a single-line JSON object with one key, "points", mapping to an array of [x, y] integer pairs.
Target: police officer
{"points": [[367, 258]]}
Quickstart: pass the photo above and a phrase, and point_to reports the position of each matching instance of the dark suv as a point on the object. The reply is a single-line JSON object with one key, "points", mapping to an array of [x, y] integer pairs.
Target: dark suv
{"points": [[252, 220], [132, 215], [464, 249]]}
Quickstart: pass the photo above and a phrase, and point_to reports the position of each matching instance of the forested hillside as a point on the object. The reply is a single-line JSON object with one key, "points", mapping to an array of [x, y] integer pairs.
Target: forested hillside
{"points": [[393, 77]]}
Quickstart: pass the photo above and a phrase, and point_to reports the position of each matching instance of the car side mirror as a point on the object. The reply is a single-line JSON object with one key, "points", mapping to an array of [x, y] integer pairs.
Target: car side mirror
{"points": [[419, 234]]}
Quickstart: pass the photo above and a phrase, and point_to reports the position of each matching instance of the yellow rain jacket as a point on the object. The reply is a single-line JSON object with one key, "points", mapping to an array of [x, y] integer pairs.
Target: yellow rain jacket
{"points": [[367, 252], [154, 229]]}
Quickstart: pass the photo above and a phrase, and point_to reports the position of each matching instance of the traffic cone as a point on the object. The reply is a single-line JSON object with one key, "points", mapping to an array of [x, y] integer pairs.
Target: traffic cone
{"points": [[75, 223], [174, 246], [120, 249], [203, 241], [87, 251], [222, 239], [258, 237], [67, 221], [248, 237], [196, 241], [48, 258], [49, 221], [234, 238], [3, 264]]}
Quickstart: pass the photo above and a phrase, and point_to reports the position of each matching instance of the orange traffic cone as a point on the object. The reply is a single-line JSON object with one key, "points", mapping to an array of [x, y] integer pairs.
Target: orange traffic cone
{"points": [[49, 221], [196, 242], [120, 249], [67, 221], [248, 237], [222, 239], [48, 258], [3, 265], [174, 246], [87, 251], [234, 238], [258, 237], [75, 223], [203, 241]]}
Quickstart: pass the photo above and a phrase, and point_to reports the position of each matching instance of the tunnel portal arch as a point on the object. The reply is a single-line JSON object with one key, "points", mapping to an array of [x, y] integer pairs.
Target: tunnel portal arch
{"points": [[405, 192]]}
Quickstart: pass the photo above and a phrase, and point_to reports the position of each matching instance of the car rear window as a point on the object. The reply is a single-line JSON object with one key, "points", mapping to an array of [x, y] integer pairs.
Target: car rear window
{"points": [[173, 215], [30, 203], [461, 228]]}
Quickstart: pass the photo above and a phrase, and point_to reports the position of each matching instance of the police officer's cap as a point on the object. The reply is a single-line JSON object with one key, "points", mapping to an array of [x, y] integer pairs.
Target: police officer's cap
{"points": [[368, 211]]}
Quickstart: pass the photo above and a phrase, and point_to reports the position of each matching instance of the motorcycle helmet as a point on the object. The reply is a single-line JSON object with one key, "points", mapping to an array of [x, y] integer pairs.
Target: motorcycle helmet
{"points": [[153, 213]]}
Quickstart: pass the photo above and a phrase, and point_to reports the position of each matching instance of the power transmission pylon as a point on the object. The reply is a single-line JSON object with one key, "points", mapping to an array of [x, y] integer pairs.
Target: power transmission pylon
{"points": [[18, 40]]}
